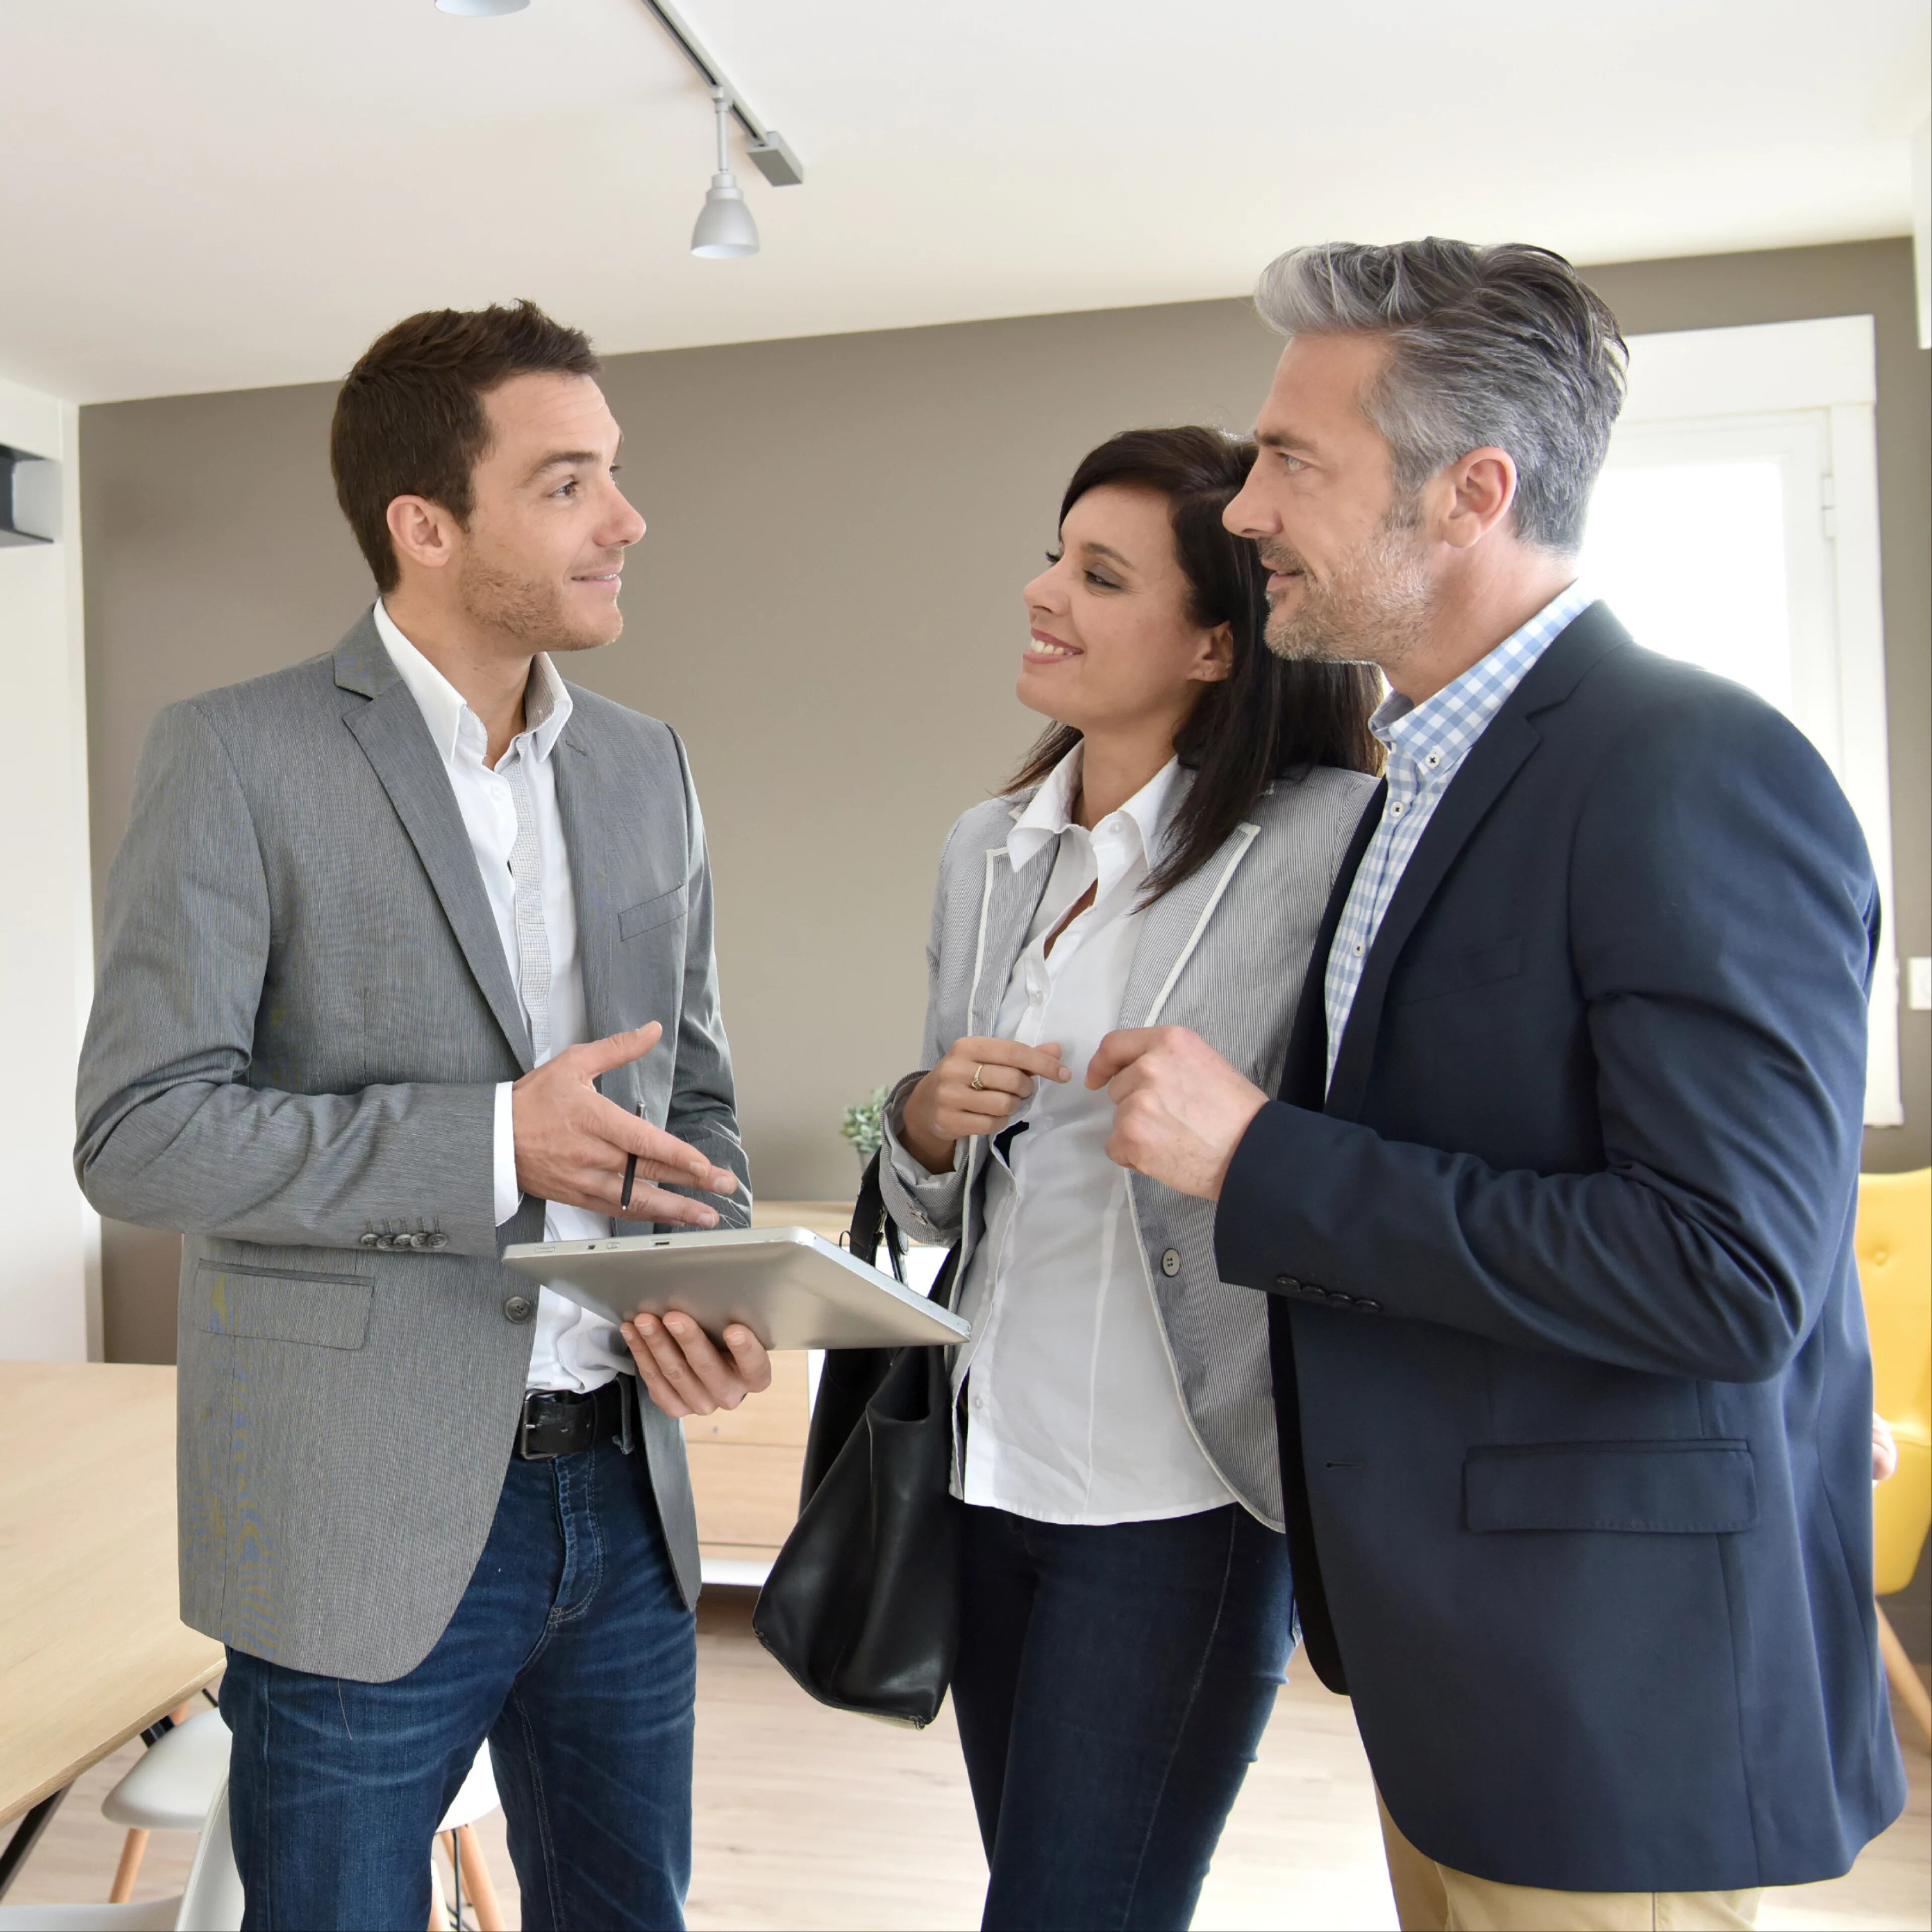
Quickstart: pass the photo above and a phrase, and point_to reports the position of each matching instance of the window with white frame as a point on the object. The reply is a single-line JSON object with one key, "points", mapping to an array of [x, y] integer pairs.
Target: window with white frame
{"points": [[1736, 525]]}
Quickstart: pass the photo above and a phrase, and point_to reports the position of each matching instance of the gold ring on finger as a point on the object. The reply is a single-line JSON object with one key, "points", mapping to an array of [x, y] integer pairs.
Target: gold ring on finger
{"points": [[979, 1085]]}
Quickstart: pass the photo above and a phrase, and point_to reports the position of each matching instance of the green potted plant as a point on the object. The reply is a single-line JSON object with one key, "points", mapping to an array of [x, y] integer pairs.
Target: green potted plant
{"points": [[863, 1125]]}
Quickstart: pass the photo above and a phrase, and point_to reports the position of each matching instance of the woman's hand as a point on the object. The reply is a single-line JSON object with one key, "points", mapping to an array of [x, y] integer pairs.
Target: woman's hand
{"points": [[947, 1105]]}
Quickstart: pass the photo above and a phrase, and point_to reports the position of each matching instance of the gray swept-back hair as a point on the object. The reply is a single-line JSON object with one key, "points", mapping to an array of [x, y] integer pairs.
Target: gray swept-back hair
{"points": [[1504, 346]]}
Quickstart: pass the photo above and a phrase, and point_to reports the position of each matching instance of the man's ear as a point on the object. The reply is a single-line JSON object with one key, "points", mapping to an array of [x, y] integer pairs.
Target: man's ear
{"points": [[1481, 491], [1215, 662], [424, 533]]}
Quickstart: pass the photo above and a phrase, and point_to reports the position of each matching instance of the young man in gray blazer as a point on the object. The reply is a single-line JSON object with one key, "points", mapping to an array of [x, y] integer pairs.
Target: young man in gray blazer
{"points": [[408, 954]]}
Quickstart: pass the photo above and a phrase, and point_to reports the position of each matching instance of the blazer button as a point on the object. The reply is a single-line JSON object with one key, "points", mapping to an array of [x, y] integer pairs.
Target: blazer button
{"points": [[1369, 1307], [1289, 1282], [436, 1241], [371, 1239], [518, 1308], [1170, 1263]]}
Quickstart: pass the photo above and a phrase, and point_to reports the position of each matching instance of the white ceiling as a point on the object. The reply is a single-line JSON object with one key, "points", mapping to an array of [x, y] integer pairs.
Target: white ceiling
{"points": [[206, 194]]}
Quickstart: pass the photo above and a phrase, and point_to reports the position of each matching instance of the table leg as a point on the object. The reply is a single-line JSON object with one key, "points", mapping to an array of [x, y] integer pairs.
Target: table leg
{"points": [[26, 1835]]}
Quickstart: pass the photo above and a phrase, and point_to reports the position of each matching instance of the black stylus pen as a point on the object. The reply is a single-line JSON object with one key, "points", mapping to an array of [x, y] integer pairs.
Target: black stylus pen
{"points": [[631, 1169]]}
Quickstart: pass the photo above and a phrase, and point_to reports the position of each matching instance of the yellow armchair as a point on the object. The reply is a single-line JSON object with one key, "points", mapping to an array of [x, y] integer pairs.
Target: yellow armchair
{"points": [[1894, 1244]]}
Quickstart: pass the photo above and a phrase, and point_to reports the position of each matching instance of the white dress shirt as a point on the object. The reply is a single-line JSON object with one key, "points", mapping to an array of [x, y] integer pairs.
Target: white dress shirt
{"points": [[572, 1348], [1427, 744], [1073, 1412]]}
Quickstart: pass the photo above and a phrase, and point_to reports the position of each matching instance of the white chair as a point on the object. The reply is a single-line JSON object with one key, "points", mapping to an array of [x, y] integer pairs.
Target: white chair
{"points": [[476, 1798], [172, 1787], [212, 1903], [169, 1789]]}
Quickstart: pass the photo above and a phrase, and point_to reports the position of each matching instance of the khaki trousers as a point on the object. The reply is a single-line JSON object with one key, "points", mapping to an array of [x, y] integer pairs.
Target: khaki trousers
{"points": [[1432, 1898]]}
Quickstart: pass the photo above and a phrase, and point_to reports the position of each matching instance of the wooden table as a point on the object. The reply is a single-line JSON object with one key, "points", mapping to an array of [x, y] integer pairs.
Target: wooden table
{"points": [[92, 1647]]}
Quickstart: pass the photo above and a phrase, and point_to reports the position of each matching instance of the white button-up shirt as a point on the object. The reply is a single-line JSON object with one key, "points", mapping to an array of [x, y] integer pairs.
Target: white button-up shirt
{"points": [[572, 1348], [1427, 744], [1073, 1412]]}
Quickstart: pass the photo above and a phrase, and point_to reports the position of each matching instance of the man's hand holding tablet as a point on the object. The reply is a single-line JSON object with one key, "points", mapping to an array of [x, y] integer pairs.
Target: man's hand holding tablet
{"points": [[574, 1145], [684, 1373]]}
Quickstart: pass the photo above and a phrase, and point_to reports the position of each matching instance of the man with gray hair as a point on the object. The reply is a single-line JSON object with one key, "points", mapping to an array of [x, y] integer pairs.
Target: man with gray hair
{"points": [[1555, 1205]]}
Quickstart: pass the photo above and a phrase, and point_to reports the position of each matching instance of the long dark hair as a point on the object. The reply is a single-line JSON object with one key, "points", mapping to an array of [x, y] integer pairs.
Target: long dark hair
{"points": [[1270, 717]]}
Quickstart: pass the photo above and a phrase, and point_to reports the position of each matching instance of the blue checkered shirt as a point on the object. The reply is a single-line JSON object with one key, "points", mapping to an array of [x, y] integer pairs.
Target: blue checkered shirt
{"points": [[1427, 744]]}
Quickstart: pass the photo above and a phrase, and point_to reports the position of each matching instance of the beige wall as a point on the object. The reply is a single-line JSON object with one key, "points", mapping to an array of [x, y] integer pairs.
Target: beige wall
{"points": [[827, 607]]}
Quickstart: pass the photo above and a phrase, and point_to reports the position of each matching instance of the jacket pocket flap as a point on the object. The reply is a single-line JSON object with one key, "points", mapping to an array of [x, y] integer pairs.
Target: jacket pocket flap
{"points": [[647, 913], [1706, 1487], [327, 1311], [1458, 972]]}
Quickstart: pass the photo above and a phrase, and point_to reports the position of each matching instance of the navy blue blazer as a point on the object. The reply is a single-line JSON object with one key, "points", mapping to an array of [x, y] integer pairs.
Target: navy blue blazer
{"points": [[1571, 1365]]}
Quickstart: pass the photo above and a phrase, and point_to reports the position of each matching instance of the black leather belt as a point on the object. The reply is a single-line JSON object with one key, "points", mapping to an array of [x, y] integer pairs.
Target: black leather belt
{"points": [[560, 1422]]}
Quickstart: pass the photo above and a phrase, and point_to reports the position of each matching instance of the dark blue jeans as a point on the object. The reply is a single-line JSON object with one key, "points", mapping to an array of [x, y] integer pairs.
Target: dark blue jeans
{"points": [[1112, 1687], [571, 1652]]}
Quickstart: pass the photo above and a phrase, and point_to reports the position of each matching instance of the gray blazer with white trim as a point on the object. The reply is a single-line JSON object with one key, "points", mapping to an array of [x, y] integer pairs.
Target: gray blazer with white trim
{"points": [[1223, 954]]}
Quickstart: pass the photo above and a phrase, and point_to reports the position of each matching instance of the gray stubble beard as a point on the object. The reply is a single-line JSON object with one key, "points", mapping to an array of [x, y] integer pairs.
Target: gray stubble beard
{"points": [[1377, 609]]}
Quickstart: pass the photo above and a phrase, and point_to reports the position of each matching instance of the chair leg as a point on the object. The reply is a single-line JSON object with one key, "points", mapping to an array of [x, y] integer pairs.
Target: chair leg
{"points": [[481, 1886], [1906, 1684], [129, 1869], [439, 1913]]}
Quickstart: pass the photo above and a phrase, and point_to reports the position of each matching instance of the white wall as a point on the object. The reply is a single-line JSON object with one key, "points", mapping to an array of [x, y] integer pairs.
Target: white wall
{"points": [[50, 1239]]}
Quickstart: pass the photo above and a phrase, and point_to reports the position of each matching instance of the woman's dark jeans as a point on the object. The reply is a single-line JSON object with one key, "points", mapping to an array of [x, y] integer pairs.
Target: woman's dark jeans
{"points": [[1112, 1687]]}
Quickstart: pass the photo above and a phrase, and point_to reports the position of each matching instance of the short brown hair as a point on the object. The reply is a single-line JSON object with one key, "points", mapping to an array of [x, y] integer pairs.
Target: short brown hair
{"points": [[410, 419]]}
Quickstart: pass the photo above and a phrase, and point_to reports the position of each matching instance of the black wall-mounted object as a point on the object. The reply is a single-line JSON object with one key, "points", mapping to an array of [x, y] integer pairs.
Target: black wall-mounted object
{"points": [[29, 498]]}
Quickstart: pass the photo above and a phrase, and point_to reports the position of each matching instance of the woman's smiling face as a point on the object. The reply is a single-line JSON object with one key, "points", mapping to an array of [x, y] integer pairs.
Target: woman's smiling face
{"points": [[1115, 646]]}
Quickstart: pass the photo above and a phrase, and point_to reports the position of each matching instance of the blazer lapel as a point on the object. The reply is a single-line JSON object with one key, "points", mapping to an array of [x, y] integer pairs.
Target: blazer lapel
{"points": [[584, 833], [395, 740], [1173, 927], [1492, 762], [1007, 908], [1305, 1071]]}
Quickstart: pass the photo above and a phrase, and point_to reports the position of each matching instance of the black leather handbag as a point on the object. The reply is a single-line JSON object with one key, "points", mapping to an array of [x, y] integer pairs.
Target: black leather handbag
{"points": [[862, 1603]]}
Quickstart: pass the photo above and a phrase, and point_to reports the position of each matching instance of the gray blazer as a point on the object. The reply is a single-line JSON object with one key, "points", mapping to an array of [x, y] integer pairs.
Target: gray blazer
{"points": [[302, 1013], [1224, 954]]}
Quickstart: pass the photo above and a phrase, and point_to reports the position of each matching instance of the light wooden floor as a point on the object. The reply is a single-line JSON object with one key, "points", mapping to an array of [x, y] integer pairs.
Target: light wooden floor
{"points": [[807, 1819]]}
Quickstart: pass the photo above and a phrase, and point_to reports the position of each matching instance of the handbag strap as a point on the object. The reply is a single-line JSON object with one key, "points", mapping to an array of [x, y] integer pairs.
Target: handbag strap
{"points": [[871, 1224]]}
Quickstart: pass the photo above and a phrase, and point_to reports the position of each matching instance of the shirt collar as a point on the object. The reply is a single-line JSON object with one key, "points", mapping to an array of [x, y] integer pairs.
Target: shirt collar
{"points": [[1049, 812], [1437, 733], [547, 703]]}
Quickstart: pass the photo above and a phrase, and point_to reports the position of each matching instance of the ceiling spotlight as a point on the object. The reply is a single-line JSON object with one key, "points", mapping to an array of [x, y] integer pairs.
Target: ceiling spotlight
{"points": [[478, 9], [724, 224]]}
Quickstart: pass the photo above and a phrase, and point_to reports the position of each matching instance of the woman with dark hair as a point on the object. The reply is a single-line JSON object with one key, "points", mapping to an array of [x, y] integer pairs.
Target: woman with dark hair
{"points": [[1162, 856]]}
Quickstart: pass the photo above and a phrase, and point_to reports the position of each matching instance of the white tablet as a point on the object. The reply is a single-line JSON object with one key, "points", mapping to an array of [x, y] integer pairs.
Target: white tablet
{"points": [[792, 1288]]}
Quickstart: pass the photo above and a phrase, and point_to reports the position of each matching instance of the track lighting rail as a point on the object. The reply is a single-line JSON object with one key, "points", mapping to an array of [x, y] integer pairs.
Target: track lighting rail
{"points": [[766, 146]]}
